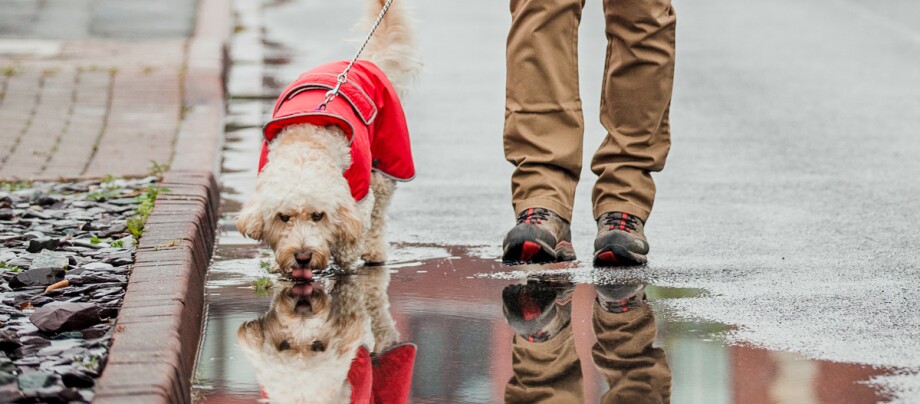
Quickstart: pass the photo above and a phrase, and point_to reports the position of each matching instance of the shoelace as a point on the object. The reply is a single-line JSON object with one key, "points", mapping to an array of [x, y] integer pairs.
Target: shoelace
{"points": [[620, 221], [533, 216]]}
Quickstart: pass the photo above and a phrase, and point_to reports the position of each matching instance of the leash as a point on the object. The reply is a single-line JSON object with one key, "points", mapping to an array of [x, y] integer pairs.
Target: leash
{"points": [[343, 77]]}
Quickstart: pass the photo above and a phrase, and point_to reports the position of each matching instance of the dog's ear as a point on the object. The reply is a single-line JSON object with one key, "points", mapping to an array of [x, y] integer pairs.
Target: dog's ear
{"points": [[250, 223], [250, 336]]}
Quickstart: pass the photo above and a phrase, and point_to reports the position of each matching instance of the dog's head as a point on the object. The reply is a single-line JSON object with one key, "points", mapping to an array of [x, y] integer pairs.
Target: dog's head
{"points": [[303, 206], [303, 347]]}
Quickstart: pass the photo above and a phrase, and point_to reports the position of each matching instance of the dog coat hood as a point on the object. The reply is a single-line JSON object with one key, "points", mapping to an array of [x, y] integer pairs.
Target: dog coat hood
{"points": [[367, 109]]}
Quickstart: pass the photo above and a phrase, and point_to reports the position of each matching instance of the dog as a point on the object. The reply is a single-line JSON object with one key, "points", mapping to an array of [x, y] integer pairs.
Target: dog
{"points": [[328, 173], [315, 344]]}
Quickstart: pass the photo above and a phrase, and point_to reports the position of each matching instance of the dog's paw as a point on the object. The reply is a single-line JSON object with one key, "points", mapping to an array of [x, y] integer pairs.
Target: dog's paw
{"points": [[374, 258]]}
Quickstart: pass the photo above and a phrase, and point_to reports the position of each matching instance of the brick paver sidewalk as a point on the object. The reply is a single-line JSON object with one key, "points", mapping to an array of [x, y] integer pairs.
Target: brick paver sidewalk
{"points": [[88, 106]]}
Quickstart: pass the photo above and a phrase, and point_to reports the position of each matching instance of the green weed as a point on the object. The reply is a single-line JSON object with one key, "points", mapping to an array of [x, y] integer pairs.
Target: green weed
{"points": [[147, 200], [11, 268], [262, 285], [13, 186]]}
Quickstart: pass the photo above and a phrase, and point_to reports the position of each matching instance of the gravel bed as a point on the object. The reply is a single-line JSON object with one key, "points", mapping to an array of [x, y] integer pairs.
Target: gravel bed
{"points": [[79, 237]]}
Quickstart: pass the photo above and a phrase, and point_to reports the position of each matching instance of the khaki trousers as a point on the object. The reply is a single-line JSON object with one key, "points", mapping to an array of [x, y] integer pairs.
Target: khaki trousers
{"points": [[544, 125], [635, 371]]}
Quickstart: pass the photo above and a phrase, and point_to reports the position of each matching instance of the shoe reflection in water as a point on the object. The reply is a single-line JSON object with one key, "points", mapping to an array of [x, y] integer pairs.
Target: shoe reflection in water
{"points": [[330, 341], [546, 366]]}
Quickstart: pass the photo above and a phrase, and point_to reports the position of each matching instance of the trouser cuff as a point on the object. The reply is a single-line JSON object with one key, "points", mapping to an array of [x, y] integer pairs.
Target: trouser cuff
{"points": [[557, 207]]}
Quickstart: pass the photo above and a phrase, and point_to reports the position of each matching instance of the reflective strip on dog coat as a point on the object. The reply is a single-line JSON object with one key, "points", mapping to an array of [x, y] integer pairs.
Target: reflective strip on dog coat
{"points": [[367, 110]]}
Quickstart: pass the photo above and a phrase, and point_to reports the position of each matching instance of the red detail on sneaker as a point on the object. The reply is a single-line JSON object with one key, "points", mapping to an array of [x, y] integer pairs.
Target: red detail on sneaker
{"points": [[529, 308], [529, 217], [607, 256], [528, 250], [563, 244]]}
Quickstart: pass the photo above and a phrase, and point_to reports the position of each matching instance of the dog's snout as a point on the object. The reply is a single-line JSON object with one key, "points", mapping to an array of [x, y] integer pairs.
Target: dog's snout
{"points": [[303, 258]]}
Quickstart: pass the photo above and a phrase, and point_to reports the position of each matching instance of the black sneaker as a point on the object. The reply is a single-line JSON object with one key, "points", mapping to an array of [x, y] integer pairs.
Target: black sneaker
{"points": [[540, 236], [620, 298], [620, 240], [538, 310]]}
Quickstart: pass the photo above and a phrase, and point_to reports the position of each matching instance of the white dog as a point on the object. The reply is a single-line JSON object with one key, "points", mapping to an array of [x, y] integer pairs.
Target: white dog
{"points": [[327, 173], [308, 347]]}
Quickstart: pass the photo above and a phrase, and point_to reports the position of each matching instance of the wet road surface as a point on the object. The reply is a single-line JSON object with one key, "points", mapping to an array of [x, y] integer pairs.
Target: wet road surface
{"points": [[784, 264]]}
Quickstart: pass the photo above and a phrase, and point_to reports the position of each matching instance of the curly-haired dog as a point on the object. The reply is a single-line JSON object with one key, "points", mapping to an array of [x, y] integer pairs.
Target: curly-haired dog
{"points": [[327, 174], [315, 343]]}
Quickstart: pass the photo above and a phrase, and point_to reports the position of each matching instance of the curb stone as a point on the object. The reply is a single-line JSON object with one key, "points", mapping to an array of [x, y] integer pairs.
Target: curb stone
{"points": [[155, 345]]}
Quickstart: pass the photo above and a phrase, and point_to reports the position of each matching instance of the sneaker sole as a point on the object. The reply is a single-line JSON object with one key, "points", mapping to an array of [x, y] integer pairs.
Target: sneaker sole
{"points": [[529, 252], [617, 256]]}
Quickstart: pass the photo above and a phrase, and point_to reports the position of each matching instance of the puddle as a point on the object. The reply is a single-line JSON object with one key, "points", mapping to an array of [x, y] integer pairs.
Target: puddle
{"points": [[440, 301]]}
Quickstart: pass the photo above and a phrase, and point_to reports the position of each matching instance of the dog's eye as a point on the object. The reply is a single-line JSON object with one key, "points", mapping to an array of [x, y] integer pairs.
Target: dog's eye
{"points": [[283, 346], [318, 216], [318, 346], [283, 217]]}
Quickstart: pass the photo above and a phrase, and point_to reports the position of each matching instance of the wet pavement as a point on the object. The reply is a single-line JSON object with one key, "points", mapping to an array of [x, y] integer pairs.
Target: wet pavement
{"points": [[783, 266]]}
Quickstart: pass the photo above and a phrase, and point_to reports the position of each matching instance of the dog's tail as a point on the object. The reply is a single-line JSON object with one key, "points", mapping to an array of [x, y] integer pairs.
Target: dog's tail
{"points": [[392, 48]]}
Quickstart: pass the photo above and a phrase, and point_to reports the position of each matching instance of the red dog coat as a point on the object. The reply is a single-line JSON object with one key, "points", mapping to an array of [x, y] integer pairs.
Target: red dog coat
{"points": [[384, 378], [367, 109]]}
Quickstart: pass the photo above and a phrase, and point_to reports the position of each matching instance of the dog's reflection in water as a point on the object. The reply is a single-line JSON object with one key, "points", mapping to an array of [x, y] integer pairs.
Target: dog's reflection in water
{"points": [[315, 342]]}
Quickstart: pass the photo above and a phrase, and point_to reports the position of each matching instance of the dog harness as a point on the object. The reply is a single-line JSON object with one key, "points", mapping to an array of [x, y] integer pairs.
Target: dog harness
{"points": [[367, 109]]}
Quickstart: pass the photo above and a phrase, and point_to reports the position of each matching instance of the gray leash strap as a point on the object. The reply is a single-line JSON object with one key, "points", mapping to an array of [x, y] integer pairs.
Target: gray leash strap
{"points": [[343, 77]]}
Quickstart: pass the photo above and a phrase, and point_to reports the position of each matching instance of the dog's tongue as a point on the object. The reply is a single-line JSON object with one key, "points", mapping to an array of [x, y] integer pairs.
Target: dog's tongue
{"points": [[302, 274], [305, 289]]}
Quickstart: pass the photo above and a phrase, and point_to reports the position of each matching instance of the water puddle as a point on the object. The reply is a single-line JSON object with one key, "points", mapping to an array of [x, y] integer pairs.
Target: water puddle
{"points": [[463, 319]]}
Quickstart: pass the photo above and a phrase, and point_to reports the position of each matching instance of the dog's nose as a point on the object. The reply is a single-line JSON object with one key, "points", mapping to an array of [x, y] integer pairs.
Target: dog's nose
{"points": [[303, 259]]}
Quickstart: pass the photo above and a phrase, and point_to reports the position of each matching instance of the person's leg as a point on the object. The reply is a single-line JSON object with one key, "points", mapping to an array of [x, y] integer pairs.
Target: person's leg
{"points": [[546, 366], [544, 125], [638, 81], [624, 324]]}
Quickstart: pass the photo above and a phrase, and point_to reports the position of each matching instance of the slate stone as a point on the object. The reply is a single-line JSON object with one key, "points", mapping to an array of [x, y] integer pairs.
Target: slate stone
{"points": [[76, 379], [37, 277], [46, 243], [50, 259], [32, 382], [9, 391], [47, 200], [61, 316], [36, 214], [41, 301], [96, 332], [9, 341], [116, 229], [96, 266], [87, 244], [7, 214]]}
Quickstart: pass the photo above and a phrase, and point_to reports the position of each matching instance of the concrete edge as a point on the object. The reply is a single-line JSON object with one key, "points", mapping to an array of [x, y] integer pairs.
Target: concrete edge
{"points": [[199, 141], [157, 332]]}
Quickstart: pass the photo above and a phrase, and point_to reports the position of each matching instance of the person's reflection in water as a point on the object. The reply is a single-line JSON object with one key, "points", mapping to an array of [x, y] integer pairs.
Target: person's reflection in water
{"points": [[330, 341], [546, 366]]}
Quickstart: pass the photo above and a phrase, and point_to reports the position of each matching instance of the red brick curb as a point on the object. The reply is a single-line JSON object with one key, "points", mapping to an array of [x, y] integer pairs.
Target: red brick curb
{"points": [[152, 358], [156, 337]]}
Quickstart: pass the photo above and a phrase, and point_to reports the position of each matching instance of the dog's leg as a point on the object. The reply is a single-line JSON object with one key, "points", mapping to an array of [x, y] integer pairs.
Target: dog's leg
{"points": [[376, 246]]}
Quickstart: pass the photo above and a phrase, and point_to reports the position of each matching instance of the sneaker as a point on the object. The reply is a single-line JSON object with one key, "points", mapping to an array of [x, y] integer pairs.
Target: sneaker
{"points": [[539, 310], [620, 298], [540, 236], [620, 240]]}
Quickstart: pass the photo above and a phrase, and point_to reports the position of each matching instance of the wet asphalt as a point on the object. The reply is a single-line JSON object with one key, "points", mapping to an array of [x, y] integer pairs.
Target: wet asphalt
{"points": [[784, 237]]}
